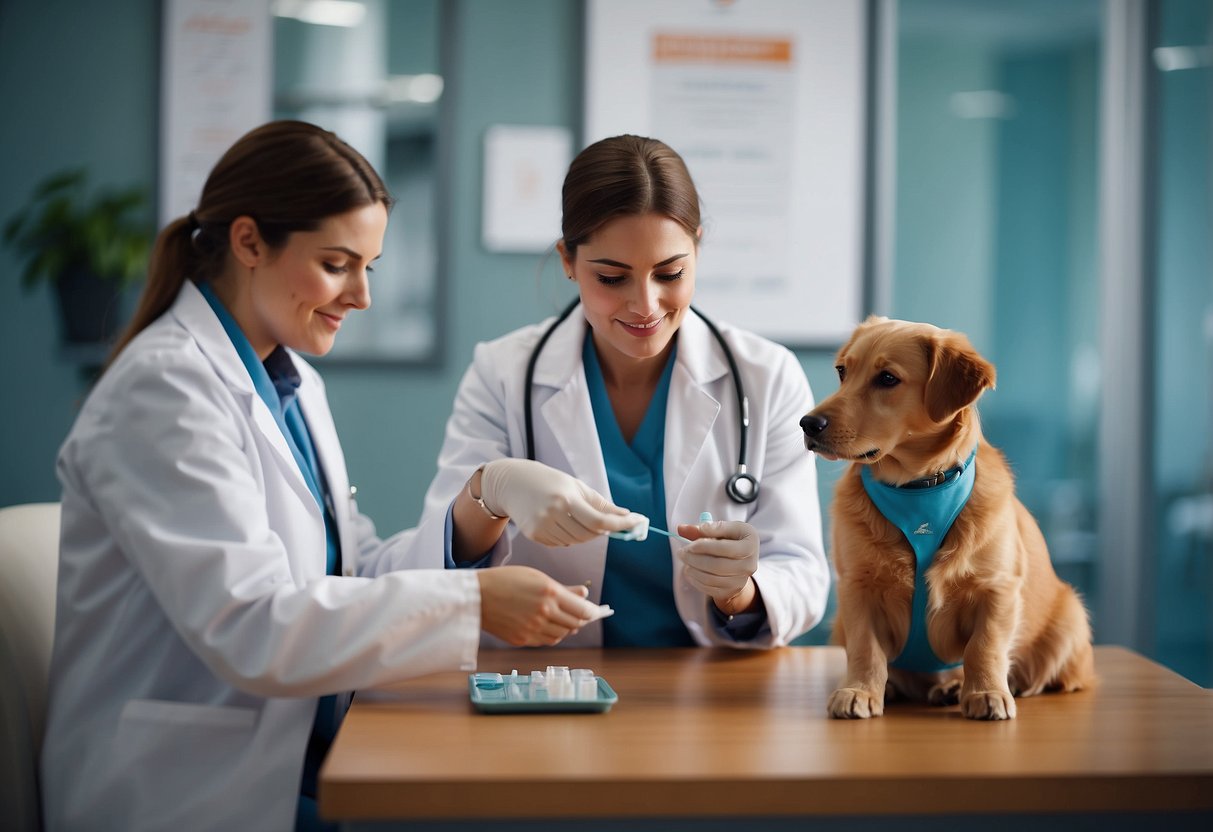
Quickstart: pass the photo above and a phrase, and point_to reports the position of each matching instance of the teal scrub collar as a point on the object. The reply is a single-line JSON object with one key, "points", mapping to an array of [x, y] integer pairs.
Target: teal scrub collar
{"points": [[924, 510]]}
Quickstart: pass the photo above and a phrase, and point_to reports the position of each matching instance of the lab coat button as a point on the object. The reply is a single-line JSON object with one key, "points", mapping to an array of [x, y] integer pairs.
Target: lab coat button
{"points": [[353, 491]]}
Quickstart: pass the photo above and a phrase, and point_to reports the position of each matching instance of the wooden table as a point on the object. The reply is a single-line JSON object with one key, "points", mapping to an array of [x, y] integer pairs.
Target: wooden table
{"points": [[718, 733]]}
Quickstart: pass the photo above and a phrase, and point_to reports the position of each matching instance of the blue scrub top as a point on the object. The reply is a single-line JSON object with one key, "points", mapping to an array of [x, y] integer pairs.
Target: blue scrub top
{"points": [[638, 582]]}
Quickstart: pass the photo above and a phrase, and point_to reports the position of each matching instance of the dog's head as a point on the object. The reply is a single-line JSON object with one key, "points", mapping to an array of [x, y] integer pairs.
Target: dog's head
{"points": [[903, 387]]}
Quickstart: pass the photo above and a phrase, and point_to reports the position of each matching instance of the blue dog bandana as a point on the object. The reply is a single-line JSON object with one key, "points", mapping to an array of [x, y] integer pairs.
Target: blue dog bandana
{"points": [[924, 510]]}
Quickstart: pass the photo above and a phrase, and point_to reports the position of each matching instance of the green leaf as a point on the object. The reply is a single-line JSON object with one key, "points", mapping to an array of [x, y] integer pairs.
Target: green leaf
{"points": [[62, 227], [68, 180]]}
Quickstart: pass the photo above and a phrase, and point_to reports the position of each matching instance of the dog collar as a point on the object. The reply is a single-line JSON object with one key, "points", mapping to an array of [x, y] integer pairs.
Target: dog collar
{"points": [[940, 477]]}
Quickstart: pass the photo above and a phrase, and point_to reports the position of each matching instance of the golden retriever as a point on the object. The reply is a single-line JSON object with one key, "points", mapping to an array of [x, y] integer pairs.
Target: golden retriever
{"points": [[905, 408]]}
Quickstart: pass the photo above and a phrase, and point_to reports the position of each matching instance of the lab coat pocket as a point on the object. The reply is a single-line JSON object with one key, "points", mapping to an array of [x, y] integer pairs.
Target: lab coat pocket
{"points": [[186, 714], [177, 757]]}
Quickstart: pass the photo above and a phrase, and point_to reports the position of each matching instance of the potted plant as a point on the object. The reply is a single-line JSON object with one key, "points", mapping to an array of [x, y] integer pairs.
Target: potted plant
{"points": [[88, 248]]}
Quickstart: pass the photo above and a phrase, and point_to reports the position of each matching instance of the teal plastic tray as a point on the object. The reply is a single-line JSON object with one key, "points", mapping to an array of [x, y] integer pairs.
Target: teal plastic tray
{"points": [[490, 698]]}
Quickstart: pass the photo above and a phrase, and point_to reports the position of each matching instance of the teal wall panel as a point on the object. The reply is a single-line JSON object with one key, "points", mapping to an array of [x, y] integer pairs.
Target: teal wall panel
{"points": [[79, 87]]}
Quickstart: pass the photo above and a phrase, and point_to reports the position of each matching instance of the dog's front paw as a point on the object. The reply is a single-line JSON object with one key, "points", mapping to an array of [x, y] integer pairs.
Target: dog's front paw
{"points": [[988, 704], [945, 693], [855, 703]]}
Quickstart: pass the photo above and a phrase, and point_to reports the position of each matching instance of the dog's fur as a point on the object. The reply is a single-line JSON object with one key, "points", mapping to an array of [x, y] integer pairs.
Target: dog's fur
{"points": [[905, 407]]}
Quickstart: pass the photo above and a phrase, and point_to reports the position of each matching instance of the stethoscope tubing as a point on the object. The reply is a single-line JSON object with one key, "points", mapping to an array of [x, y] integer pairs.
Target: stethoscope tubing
{"points": [[742, 487]]}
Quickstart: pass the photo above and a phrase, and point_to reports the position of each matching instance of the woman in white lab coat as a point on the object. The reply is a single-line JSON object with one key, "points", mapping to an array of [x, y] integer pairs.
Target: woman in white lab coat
{"points": [[634, 404], [218, 589]]}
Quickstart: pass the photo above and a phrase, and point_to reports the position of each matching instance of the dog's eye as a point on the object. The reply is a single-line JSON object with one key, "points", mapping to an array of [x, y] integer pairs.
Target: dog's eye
{"points": [[842, 372], [887, 379]]}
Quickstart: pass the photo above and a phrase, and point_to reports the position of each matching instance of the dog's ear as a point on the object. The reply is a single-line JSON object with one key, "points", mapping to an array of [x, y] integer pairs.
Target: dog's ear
{"points": [[958, 375]]}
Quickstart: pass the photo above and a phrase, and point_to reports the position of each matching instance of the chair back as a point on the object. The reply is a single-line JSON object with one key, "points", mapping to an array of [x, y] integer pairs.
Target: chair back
{"points": [[29, 567]]}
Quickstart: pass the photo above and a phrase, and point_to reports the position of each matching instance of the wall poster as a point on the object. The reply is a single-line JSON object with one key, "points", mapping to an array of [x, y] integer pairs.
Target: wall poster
{"points": [[215, 86], [765, 101]]}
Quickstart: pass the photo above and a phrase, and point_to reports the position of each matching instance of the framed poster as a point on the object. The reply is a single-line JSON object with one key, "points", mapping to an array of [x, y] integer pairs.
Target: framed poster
{"points": [[370, 72], [765, 101]]}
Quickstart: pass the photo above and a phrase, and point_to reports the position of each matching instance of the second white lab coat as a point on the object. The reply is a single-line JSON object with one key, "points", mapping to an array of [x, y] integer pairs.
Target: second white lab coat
{"points": [[196, 626], [701, 446]]}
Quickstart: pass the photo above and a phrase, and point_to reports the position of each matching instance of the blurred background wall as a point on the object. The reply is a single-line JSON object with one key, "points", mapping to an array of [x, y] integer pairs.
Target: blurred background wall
{"points": [[994, 133]]}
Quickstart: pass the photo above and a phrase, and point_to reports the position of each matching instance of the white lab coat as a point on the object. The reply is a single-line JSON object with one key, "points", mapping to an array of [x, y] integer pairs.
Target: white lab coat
{"points": [[701, 446], [196, 626]]}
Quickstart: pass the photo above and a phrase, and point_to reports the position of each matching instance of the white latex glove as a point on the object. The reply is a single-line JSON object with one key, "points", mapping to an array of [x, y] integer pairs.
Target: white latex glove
{"points": [[549, 506], [720, 560]]}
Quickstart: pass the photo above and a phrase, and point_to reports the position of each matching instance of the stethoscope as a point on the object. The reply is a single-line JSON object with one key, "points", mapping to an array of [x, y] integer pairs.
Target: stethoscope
{"points": [[742, 487]]}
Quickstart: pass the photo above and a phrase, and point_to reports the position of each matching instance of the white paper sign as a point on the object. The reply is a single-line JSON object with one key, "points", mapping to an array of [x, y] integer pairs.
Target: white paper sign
{"points": [[216, 86], [764, 100], [524, 168]]}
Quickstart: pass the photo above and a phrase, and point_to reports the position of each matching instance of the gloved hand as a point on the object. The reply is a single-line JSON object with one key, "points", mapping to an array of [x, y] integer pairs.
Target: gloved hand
{"points": [[525, 608], [720, 560], [549, 506]]}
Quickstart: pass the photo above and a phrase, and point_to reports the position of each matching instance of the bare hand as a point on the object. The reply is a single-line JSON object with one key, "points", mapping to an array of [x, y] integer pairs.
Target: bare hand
{"points": [[525, 608]]}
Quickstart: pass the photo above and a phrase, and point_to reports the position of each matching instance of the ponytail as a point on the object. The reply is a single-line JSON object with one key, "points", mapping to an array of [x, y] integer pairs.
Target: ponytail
{"points": [[168, 269]]}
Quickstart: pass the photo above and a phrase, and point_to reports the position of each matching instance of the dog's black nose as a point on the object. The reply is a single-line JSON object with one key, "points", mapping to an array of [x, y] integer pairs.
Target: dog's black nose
{"points": [[813, 425]]}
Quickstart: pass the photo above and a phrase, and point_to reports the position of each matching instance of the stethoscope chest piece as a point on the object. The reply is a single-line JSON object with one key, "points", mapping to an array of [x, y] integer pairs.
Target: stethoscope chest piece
{"points": [[742, 487]]}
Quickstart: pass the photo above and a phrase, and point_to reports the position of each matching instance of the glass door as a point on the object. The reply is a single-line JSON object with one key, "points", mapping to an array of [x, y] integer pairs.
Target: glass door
{"points": [[1181, 274], [995, 227], [1054, 199]]}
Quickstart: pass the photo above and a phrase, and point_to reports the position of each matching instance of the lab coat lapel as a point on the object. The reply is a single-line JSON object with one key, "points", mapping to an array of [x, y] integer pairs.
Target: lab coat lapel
{"points": [[690, 410], [568, 412], [196, 315]]}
